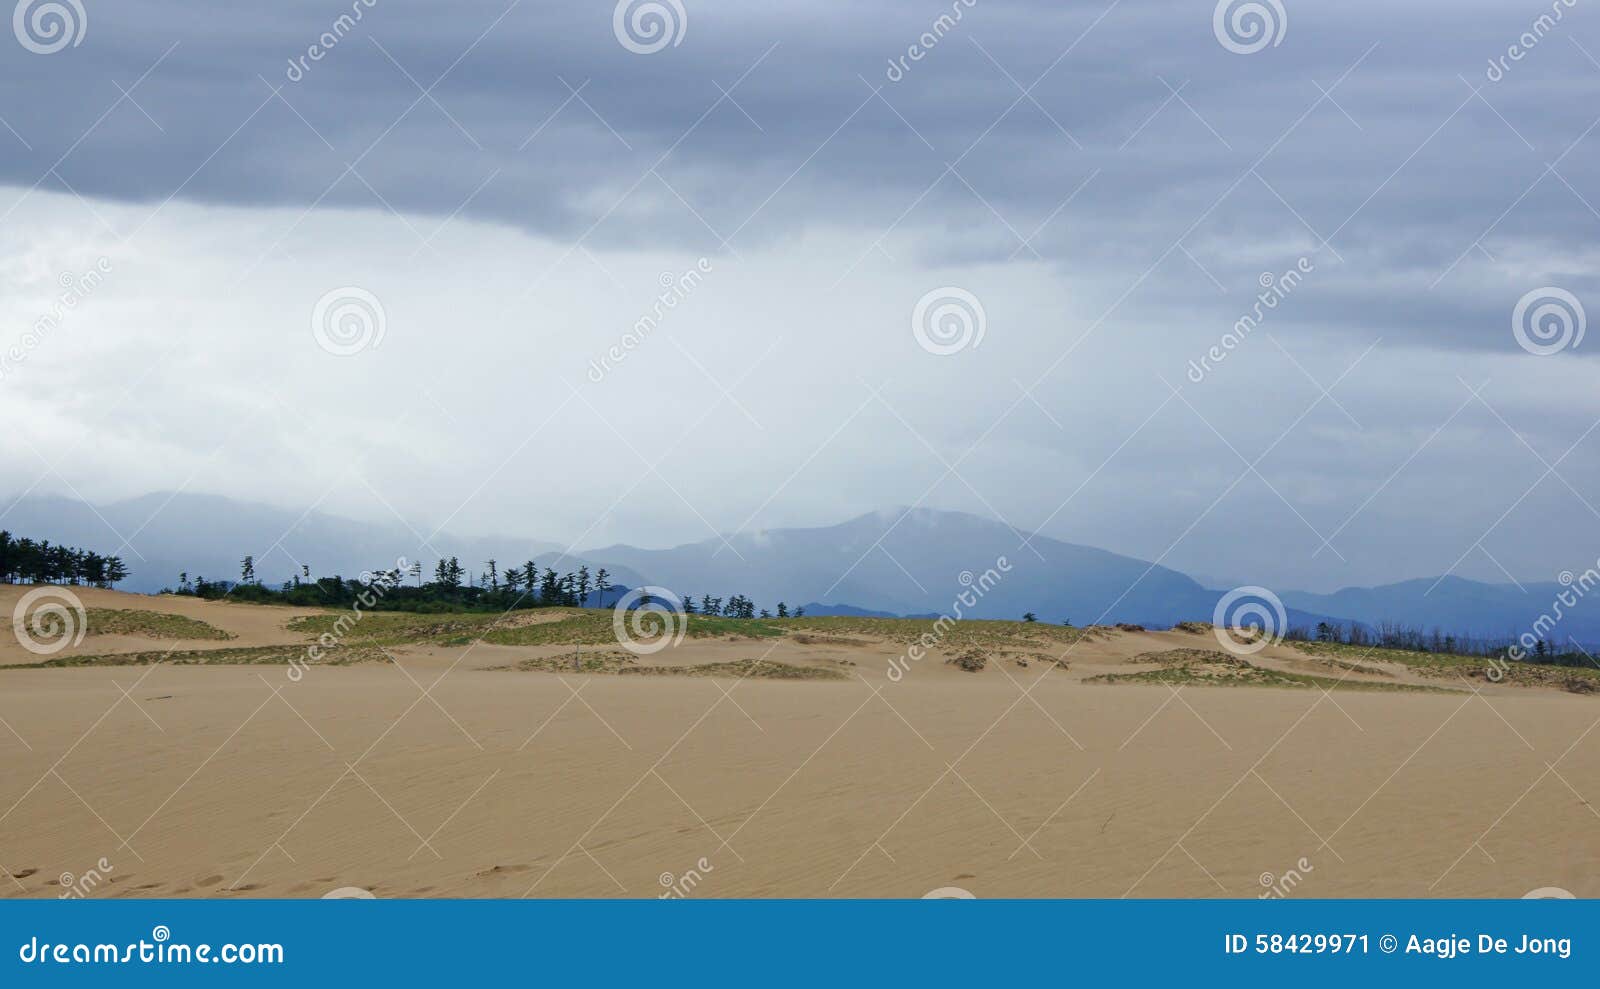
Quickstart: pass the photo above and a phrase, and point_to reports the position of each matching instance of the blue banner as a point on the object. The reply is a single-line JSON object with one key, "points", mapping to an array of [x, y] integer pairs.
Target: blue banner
{"points": [[801, 943]]}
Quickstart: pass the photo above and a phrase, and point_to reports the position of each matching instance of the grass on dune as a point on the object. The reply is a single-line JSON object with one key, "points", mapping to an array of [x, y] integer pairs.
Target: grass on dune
{"points": [[619, 662], [594, 627], [967, 632], [526, 627], [240, 656], [1209, 668], [1577, 679], [407, 627], [150, 624]]}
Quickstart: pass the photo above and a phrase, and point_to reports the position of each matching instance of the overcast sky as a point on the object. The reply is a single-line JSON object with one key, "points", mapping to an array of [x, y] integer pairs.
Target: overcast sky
{"points": [[387, 275]]}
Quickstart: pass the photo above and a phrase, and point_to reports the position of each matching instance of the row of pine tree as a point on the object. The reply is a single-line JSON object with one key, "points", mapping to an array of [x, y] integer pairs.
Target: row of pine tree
{"points": [[453, 588], [29, 561]]}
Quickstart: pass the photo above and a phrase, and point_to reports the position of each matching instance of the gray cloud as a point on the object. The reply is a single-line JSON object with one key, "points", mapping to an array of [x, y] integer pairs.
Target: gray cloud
{"points": [[1400, 165], [1114, 230]]}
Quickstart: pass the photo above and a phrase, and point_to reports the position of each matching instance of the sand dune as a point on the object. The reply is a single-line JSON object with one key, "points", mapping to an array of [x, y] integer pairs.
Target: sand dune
{"points": [[447, 771]]}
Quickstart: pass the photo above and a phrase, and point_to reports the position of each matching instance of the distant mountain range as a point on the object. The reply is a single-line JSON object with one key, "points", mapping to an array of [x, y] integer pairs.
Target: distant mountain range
{"points": [[898, 562], [207, 536]]}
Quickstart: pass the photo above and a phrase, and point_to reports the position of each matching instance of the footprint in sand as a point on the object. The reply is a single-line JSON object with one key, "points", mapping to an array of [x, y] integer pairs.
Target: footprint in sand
{"points": [[208, 881], [25, 873], [502, 869]]}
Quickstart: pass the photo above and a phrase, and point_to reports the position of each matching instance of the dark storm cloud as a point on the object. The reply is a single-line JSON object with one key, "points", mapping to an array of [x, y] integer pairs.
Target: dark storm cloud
{"points": [[1437, 204]]}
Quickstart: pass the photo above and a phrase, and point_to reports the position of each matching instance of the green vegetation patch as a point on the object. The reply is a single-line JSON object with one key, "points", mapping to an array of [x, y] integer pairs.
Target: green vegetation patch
{"points": [[755, 669], [1487, 669], [243, 656], [579, 628], [150, 624], [948, 634], [594, 627], [624, 663], [1211, 668], [396, 628]]}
